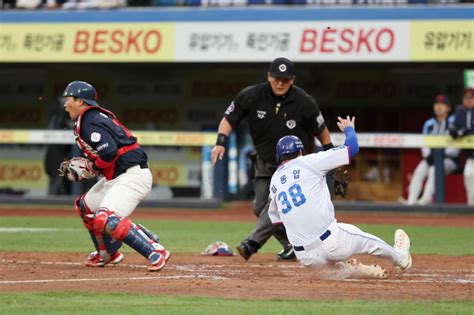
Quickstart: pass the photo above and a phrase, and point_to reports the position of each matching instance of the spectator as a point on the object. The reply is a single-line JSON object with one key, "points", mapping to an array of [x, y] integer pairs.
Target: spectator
{"points": [[437, 125], [464, 125]]}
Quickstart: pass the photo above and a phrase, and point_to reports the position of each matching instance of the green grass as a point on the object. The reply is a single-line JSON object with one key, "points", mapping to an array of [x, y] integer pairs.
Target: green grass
{"points": [[192, 237], [121, 303]]}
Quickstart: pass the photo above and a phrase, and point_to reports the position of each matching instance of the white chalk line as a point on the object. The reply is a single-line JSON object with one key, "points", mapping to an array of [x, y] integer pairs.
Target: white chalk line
{"points": [[455, 281], [35, 230], [201, 270], [212, 268], [116, 279]]}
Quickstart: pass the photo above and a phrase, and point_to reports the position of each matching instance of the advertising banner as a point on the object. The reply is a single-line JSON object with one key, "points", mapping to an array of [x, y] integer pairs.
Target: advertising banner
{"points": [[442, 41], [22, 174], [106, 42], [175, 174], [299, 41], [249, 41]]}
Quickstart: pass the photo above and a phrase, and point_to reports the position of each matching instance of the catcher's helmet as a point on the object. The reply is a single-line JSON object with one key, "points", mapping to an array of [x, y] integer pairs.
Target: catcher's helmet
{"points": [[82, 90], [288, 145]]}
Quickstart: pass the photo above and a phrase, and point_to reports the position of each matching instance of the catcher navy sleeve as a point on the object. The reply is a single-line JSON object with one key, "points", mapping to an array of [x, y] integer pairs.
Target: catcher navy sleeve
{"points": [[101, 141]]}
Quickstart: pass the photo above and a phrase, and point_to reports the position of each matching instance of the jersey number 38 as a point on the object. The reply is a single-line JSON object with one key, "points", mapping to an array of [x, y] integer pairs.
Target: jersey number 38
{"points": [[297, 198]]}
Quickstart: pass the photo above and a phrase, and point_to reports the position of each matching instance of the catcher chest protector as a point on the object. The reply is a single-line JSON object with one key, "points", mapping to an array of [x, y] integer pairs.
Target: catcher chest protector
{"points": [[107, 168]]}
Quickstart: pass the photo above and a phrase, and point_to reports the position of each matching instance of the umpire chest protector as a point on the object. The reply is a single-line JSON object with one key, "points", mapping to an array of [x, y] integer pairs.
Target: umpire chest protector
{"points": [[121, 135], [271, 117]]}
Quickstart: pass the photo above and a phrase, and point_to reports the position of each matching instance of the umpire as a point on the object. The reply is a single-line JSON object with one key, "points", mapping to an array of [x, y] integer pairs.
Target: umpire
{"points": [[275, 108]]}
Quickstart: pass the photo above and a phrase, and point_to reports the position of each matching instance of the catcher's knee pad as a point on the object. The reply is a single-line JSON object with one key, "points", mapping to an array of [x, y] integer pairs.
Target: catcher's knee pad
{"points": [[121, 229], [107, 221], [101, 218], [84, 212]]}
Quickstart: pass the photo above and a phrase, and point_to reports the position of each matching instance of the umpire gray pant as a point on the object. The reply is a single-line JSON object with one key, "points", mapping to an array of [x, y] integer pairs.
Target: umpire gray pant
{"points": [[264, 229]]}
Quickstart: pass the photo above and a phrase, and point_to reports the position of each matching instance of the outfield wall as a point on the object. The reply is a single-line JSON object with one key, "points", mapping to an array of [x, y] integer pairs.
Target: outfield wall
{"points": [[309, 34], [177, 69]]}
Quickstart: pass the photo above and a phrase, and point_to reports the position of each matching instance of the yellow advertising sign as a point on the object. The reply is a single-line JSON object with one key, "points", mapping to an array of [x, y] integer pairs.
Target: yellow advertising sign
{"points": [[442, 40], [175, 138], [14, 136], [466, 142], [168, 174], [95, 42], [22, 174]]}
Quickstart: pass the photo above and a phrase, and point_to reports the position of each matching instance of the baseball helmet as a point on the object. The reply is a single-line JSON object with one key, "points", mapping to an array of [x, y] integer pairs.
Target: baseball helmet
{"points": [[288, 145], [82, 90]]}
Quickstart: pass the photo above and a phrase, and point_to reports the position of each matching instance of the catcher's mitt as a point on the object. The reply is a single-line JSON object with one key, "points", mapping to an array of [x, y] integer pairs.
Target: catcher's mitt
{"points": [[341, 181], [77, 169]]}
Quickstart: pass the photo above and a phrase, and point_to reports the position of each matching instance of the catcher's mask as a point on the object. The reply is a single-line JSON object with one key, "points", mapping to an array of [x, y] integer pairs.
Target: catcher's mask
{"points": [[288, 145], [82, 90]]}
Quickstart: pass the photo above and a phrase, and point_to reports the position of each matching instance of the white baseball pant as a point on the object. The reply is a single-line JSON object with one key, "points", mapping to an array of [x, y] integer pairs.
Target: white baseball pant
{"points": [[345, 241], [122, 194], [424, 171], [469, 180]]}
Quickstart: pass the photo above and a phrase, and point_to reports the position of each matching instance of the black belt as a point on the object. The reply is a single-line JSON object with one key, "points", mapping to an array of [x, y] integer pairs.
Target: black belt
{"points": [[323, 236]]}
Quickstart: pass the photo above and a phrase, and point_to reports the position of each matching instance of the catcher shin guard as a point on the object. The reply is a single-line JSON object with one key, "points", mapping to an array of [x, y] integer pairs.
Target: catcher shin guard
{"points": [[152, 236], [84, 212], [102, 243], [122, 229]]}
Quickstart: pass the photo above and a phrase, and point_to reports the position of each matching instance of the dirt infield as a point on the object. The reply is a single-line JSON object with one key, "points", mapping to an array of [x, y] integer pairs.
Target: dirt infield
{"points": [[431, 278]]}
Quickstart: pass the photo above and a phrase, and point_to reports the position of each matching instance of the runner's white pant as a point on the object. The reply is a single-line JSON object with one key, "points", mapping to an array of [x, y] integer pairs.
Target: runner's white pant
{"points": [[422, 171], [122, 194], [345, 241], [469, 180]]}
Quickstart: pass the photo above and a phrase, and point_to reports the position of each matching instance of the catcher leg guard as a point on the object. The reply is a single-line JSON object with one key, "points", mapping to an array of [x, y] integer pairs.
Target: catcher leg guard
{"points": [[148, 233], [103, 242], [105, 246], [107, 251], [123, 229], [84, 212]]}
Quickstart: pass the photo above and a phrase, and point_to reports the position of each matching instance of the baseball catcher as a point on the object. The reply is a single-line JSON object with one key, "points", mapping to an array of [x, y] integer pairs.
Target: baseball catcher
{"points": [[113, 152]]}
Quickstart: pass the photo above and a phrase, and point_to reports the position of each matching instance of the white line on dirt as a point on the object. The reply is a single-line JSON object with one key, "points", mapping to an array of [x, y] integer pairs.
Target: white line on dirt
{"points": [[203, 271], [35, 230], [115, 279], [439, 280]]}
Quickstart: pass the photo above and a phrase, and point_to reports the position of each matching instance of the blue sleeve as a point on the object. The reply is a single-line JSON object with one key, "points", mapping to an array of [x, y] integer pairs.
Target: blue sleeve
{"points": [[351, 141]]}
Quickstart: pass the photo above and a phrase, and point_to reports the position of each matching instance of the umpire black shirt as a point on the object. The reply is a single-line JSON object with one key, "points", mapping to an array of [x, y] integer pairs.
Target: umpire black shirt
{"points": [[271, 117]]}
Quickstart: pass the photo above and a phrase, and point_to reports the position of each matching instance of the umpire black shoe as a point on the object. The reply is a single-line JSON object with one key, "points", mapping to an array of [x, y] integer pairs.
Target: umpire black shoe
{"points": [[286, 255], [244, 250]]}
